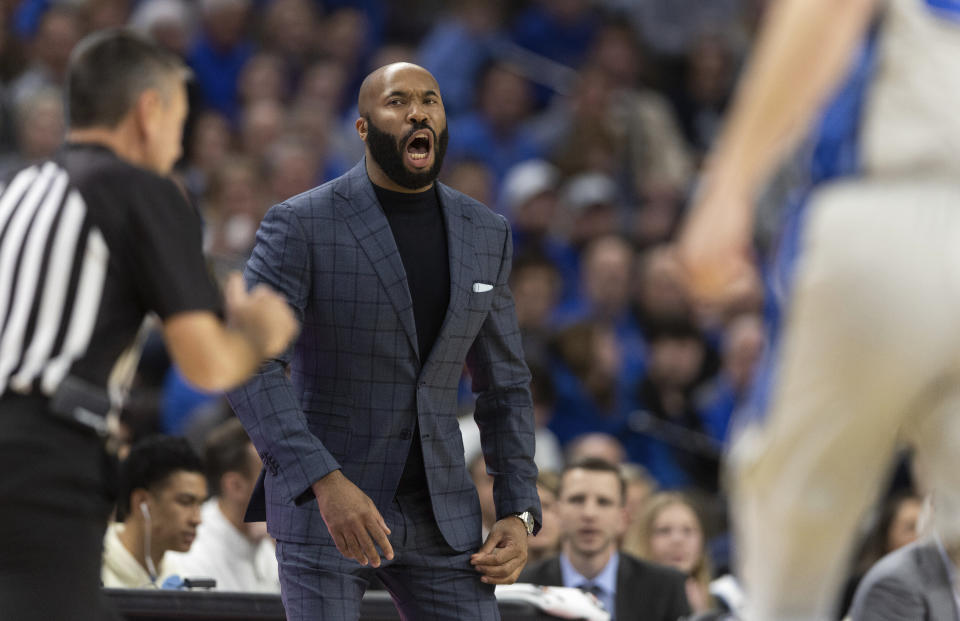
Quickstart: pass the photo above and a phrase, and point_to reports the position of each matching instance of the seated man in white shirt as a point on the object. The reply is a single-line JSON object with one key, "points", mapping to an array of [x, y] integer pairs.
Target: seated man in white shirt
{"points": [[239, 556], [592, 512], [158, 509]]}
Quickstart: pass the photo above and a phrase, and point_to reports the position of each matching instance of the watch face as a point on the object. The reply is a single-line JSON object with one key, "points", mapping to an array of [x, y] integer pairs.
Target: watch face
{"points": [[527, 520]]}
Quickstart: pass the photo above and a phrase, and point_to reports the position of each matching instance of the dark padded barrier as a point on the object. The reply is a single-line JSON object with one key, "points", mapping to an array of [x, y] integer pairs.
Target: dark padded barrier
{"points": [[153, 605]]}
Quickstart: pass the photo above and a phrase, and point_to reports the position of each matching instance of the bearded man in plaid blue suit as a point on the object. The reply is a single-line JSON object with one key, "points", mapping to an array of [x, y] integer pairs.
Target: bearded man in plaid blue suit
{"points": [[398, 281]]}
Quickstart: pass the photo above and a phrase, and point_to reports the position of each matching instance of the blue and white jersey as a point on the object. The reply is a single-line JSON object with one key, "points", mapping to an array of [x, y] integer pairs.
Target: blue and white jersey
{"points": [[899, 112]]}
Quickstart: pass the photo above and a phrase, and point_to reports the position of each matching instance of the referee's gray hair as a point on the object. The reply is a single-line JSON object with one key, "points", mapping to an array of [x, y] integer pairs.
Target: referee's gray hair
{"points": [[108, 71]]}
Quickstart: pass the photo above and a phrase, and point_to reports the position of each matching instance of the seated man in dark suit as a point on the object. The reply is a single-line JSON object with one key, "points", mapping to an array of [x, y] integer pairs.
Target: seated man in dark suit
{"points": [[914, 582], [592, 517]]}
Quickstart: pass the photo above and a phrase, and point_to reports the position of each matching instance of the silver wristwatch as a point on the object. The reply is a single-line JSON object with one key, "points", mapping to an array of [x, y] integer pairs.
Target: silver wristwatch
{"points": [[527, 518]]}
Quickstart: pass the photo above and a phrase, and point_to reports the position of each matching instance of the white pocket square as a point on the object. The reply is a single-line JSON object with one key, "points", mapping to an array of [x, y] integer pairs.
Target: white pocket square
{"points": [[480, 287]]}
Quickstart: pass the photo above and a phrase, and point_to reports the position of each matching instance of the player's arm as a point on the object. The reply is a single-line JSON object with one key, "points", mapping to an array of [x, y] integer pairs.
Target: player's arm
{"points": [[802, 53], [215, 356]]}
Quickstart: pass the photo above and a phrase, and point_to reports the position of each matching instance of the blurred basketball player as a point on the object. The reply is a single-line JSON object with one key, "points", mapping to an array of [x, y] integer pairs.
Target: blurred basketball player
{"points": [[869, 351]]}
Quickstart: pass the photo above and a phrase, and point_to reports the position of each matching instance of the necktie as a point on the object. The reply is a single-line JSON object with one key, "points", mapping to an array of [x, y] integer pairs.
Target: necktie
{"points": [[595, 589]]}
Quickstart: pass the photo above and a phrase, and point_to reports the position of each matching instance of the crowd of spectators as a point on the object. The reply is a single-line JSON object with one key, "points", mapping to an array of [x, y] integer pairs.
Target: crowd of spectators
{"points": [[583, 122]]}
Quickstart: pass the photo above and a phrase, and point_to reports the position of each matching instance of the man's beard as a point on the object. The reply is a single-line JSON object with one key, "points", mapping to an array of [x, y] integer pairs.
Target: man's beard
{"points": [[388, 153]]}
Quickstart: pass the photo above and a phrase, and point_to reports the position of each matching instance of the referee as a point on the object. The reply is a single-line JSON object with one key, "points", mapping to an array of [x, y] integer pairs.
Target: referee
{"points": [[89, 246]]}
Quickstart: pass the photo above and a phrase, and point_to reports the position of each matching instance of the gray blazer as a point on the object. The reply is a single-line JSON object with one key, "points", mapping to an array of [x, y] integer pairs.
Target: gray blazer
{"points": [[911, 583], [358, 382]]}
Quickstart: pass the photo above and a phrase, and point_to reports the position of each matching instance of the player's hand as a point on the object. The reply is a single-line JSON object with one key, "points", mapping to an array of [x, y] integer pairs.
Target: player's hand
{"points": [[352, 519], [504, 553], [261, 314], [714, 249]]}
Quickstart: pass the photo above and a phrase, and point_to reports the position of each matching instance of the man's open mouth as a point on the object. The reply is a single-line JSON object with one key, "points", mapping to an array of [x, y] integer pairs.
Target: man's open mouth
{"points": [[419, 147]]}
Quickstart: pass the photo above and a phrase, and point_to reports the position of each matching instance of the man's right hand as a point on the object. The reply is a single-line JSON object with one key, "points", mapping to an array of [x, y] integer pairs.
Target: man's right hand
{"points": [[261, 314], [352, 519]]}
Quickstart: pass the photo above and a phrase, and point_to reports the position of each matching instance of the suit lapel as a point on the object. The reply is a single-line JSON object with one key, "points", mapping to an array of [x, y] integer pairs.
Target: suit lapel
{"points": [[369, 226], [460, 254]]}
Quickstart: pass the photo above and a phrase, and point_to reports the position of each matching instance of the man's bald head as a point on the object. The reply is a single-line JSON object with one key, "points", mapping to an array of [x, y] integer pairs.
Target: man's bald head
{"points": [[377, 82], [404, 126]]}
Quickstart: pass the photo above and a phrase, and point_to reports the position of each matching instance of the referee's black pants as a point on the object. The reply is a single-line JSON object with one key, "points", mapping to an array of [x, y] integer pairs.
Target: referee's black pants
{"points": [[54, 503]]}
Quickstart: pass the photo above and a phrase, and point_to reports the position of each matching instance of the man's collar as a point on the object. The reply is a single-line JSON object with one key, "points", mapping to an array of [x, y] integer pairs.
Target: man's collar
{"points": [[606, 579]]}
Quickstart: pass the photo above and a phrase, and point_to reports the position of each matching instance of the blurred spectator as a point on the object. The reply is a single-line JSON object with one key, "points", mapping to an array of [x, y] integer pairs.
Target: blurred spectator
{"points": [[656, 155], [161, 488], [915, 582], [457, 48], [323, 88], [171, 23], [667, 436], [263, 78], [670, 26], [535, 284], [472, 177], [346, 36], [640, 486], [234, 206], [595, 391], [742, 346], [60, 28], [290, 33], [658, 291], [592, 518], [240, 556], [595, 446], [671, 533], [293, 167], [530, 199], [592, 208], [546, 543], [494, 132], [208, 147], [895, 527], [701, 98], [12, 52], [220, 52], [528, 196], [611, 124], [104, 14], [262, 123], [40, 125], [605, 274], [561, 30], [392, 52]]}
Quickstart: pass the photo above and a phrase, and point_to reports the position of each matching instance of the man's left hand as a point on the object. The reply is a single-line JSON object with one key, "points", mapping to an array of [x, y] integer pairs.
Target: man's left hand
{"points": [[504, 553]]}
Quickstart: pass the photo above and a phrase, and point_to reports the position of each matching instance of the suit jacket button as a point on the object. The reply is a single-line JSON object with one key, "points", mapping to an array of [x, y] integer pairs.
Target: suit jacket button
{"points": [[405, 434]]}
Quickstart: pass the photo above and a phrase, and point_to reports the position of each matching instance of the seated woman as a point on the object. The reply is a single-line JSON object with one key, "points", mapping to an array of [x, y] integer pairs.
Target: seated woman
{"points": [[671, 533]]}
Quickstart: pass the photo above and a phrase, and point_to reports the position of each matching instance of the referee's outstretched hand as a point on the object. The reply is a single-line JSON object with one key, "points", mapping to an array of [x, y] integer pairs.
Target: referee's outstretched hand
{"points": [[261, 314], [352, 519]]}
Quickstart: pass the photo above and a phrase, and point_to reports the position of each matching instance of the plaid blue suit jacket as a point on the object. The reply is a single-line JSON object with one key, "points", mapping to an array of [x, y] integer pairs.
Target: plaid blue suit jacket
{"points": [[357, 381]]}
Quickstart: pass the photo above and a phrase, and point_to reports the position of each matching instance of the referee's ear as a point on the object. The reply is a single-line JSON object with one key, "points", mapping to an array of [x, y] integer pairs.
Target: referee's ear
{"points": [[146, 116]]}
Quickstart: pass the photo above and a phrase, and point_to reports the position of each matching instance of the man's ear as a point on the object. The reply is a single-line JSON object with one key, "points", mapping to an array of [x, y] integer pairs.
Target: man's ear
{"points": [[624, 520], [145, 111], [234, 485], [137, 497], [361, 126]]}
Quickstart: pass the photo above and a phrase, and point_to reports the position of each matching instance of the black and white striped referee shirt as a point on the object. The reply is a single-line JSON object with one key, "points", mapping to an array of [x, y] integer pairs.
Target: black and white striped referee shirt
{"points": [[89, 246]]}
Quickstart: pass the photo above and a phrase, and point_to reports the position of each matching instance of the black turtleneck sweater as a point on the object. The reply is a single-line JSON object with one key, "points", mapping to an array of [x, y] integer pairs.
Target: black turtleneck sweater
{"points": [[416, 221]]}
